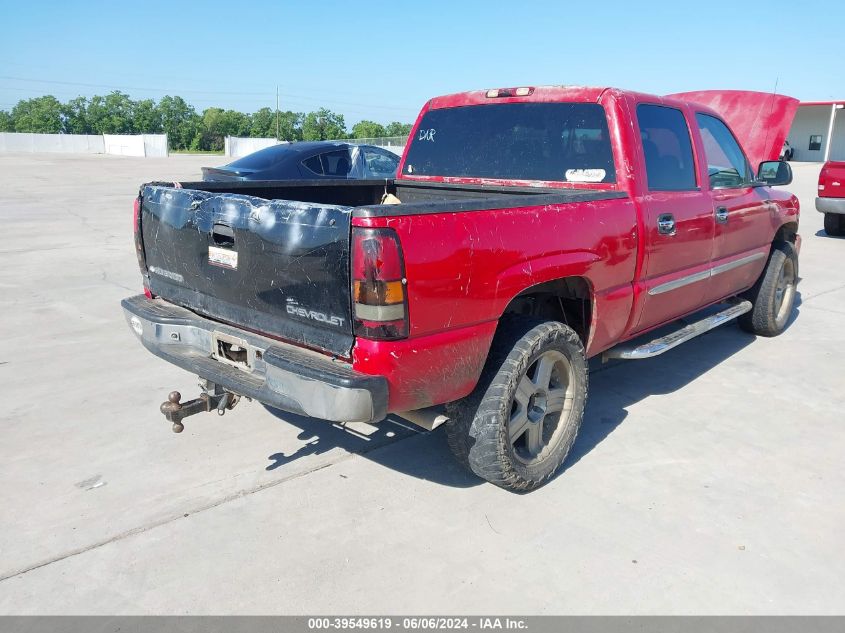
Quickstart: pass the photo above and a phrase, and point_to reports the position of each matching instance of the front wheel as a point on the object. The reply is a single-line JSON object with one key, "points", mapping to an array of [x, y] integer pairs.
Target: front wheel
{"points": [[773, 296], [517, 427]]}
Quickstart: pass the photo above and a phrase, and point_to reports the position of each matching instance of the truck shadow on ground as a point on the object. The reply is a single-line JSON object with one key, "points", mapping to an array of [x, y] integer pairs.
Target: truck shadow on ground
{"points": [[393, 443], [823, 233], [614, 388], [618, 385]]}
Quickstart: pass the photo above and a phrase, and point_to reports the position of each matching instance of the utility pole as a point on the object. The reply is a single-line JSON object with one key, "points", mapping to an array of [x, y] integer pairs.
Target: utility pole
{"points": [[277, 112]]}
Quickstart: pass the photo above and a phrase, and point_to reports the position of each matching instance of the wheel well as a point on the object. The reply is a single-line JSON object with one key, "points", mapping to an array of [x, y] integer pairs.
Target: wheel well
{"points": [[568, 300], [787, 233]]}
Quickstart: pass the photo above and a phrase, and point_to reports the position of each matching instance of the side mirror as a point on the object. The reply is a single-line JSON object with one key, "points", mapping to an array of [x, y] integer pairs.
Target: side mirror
{"points": [[774, 172]]}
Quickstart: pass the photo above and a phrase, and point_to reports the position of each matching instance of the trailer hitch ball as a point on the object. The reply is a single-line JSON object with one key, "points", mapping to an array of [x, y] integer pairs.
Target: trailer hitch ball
{"points": [[213, 398], [170, 407]]}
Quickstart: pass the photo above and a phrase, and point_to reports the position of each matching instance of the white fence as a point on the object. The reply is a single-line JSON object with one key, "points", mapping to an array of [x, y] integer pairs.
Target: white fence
{"points": [[73, 143], [241, 146], [395, 144], [121, 144], [136, 144]]}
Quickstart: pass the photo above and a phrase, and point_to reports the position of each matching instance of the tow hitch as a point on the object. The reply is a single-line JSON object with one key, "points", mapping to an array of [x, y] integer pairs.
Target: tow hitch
{"points": [[213, 397]]}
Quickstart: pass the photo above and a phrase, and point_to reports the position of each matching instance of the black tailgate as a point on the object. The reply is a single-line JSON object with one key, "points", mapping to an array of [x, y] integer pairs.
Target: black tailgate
{"points": [[273, 266]]}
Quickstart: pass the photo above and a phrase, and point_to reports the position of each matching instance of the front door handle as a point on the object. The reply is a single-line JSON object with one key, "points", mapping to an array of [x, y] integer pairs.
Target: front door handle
{"points": [[666, 224], [722, 215]]}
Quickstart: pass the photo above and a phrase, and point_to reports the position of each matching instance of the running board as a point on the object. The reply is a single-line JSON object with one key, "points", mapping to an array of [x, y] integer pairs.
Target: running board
{"points": [[673, 339]]}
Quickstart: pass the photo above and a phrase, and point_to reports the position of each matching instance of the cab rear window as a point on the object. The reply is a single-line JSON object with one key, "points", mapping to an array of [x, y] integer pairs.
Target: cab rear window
{"points": [[556, 142]]}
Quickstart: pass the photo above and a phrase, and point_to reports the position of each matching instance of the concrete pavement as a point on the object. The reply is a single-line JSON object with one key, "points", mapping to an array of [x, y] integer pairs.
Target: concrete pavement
{"points": [[707, 480]]}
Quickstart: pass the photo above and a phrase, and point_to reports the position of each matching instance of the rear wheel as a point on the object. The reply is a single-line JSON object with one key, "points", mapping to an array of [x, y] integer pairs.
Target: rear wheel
{"points": [[773, 296], [834, 224], [517, 427]]}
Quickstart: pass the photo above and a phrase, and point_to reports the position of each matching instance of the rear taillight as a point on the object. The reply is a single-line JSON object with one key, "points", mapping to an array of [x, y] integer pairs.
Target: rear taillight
{"points": [[139, 243], [379, 299]]}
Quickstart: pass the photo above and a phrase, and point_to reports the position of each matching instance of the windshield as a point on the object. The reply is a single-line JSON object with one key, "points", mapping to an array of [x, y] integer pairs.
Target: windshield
{"points": [[565, 142], [263, 158]]}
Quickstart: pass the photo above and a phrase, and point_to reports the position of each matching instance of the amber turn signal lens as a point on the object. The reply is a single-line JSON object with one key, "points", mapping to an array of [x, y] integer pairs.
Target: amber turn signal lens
{"points": [[379, 292]]}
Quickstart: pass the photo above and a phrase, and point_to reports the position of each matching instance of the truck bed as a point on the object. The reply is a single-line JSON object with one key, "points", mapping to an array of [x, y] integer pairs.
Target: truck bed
{"points": [[360, 193], [273, 257]]}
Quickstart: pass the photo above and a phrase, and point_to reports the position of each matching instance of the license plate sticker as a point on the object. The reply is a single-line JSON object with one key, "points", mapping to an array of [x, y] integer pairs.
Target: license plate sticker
{"points": [[224, 257]]}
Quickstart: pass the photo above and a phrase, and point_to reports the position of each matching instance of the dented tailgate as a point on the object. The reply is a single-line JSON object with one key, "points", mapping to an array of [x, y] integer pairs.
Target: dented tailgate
{"points": [[276, 267]]}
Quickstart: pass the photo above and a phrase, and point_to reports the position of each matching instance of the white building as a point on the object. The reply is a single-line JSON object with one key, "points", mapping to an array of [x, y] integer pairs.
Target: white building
{"points": [[818, 131]]}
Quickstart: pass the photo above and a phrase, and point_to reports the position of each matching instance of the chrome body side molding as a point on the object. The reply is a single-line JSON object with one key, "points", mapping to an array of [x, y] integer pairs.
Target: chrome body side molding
{"points": [[704, 274], [681, 282]]}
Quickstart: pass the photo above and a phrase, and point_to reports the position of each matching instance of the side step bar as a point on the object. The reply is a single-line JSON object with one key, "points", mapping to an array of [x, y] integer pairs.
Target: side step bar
{"points": [[673, 339]]}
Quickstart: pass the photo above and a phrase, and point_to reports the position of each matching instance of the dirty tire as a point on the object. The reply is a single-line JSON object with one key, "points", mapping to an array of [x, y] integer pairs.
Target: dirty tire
{"points": [[834, 224], [773, 296], [514, 393]]}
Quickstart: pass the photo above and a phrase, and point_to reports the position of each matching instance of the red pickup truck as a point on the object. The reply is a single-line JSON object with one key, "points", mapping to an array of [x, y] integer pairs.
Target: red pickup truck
{"points": [[831, 198], [527, 230]]}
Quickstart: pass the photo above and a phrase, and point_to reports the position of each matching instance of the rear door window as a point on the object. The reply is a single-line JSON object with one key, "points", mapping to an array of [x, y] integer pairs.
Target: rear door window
{"points": [[337, 163], [555, 142], [314, 165], [380, 164], [727, 165], [667, 148]]}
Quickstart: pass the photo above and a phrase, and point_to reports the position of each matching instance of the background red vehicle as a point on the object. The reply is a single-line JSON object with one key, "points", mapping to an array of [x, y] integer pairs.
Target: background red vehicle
{"points": [[535, 228], [831, 198]]}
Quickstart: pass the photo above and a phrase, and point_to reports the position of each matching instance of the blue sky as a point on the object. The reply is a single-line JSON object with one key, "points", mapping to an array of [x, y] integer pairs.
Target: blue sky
{"points": [[383, 60]]}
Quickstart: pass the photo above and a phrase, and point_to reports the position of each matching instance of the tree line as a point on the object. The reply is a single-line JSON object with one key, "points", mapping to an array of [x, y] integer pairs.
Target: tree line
{"points": [[186, 129]]}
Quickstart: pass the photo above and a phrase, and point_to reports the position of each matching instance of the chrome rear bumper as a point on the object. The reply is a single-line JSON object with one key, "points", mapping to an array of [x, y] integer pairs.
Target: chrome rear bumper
{"points": [[274, 373]]}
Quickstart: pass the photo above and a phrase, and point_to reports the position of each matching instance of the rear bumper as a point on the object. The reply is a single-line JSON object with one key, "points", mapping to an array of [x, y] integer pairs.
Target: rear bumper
{"points": [[830, 205], [281, 375]]}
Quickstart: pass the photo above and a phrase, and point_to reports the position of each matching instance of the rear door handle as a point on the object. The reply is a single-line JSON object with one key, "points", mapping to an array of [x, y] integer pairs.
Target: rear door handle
{"points": [[722, 215], [666, 224]]}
